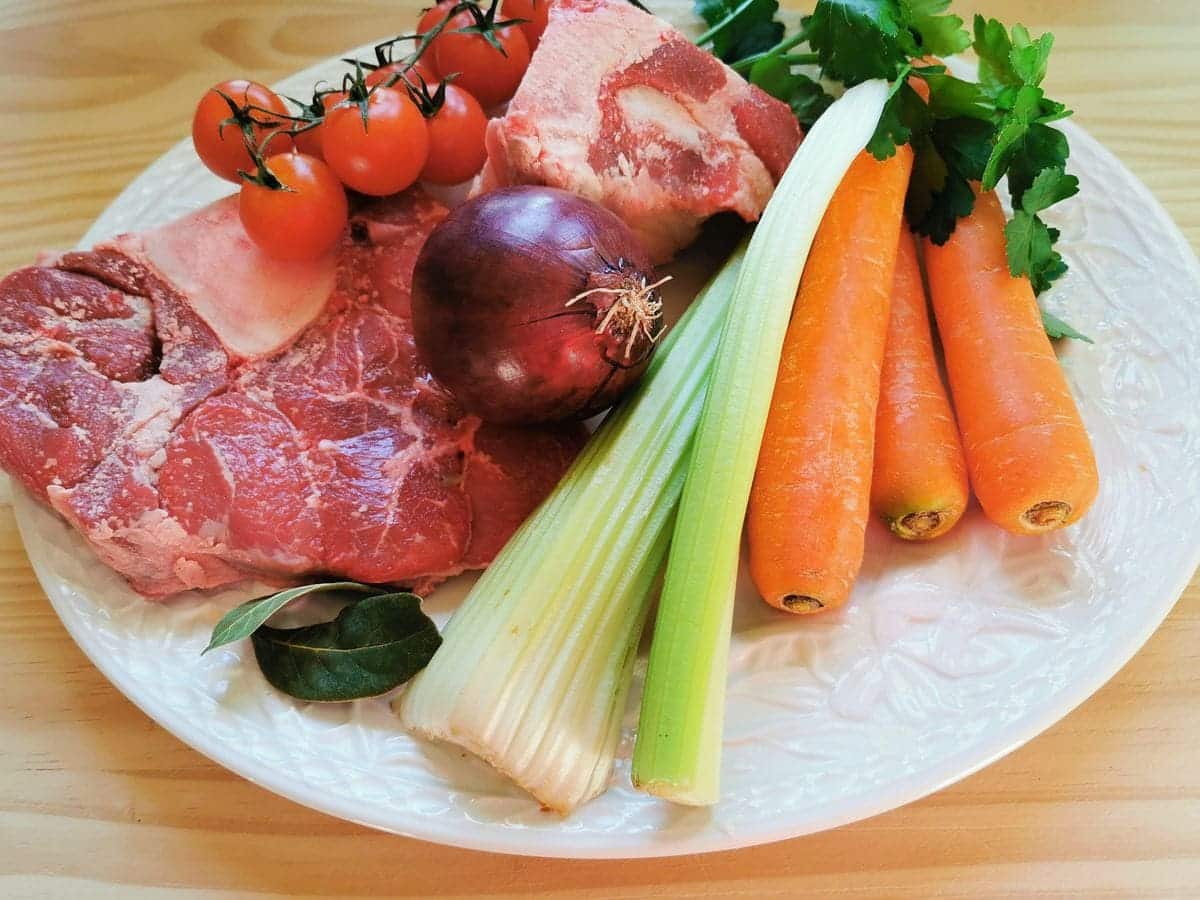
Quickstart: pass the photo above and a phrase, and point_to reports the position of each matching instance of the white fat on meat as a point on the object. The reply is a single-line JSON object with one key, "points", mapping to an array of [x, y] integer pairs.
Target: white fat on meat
{"points": [[254, 304]]}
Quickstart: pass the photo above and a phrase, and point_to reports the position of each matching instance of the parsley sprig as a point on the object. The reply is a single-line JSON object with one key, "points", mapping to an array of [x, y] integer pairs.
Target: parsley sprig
{"points": [[963, 132]]}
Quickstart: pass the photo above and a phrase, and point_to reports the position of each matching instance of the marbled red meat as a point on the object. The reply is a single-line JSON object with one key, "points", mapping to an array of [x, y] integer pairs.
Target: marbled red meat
{"points": [[620, 107], [202, 415]]}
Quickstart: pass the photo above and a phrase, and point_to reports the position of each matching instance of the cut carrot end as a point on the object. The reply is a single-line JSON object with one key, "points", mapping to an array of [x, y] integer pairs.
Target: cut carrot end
{"points": [[918, 526], [1046, 516], [800, 604]]}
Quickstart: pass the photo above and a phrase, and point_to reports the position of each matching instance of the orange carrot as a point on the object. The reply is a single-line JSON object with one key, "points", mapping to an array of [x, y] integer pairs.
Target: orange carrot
{"points": [[1028, 453], [920, 483], [811, 496]]}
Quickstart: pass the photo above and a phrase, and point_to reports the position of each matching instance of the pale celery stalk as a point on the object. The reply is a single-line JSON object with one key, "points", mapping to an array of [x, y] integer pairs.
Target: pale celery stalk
{"points": [[535, 666], [678, 751]]}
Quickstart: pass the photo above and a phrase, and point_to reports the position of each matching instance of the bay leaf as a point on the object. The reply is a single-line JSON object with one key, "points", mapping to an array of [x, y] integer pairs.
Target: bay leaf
{"points": [[371, 647], [242, 621]]}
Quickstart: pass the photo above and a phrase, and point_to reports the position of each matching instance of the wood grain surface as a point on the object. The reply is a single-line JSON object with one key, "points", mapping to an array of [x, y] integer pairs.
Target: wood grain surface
{"points": [[98, 801]]}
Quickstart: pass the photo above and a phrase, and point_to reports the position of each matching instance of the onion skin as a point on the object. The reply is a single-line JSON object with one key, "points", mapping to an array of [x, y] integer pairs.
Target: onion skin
{"points": [[498, 313]]}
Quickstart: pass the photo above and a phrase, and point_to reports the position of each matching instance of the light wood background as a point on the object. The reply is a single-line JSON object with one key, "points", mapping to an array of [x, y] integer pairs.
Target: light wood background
{"points": [[96, 800]]}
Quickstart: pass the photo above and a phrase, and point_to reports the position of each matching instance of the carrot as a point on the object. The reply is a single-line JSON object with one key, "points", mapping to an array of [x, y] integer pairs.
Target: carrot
{"points": [[920, 483], [811, 495], [1028, 453]]}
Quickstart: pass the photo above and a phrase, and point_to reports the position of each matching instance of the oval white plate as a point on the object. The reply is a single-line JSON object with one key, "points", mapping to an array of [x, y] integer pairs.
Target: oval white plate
{"points": [[949, 656]]}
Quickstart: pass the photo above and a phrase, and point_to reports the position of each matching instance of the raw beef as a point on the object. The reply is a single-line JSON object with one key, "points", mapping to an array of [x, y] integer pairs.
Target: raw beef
{"points": [[203, 415], [619, 107]]}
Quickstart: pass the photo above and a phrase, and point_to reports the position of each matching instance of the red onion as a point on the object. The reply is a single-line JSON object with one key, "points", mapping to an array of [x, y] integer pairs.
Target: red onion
{"points": [[534, 305]]}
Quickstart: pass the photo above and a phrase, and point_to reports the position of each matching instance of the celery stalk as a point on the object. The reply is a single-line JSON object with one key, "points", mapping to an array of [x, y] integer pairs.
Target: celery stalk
{"points": [[678, 748], [534, 668]]}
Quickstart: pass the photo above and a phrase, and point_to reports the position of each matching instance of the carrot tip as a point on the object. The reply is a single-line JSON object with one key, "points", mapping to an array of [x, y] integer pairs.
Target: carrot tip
{"points": [[798, 603], [1046, 516], [918, 525]]}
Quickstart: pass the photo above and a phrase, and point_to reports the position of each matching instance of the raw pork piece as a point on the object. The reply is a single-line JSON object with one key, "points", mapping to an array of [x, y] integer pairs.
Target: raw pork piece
{"points": [[202, 414], [620, 107]]}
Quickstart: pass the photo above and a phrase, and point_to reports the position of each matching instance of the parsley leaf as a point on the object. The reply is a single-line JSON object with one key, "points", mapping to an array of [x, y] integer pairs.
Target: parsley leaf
{"points": [[965, 143], [1040, 148], [860, 39], [1028, 57], [1049, 187], [951, 97], [1031, 250], [774, 76], [713, 12], [1011, 70], [740, 28], [808, 100], [1056, 328], [1023, 137], [993, 47], [1030, 241], [948, 159], [955, 143], [857, 40], [934, 201], [903, 114], [1031, 153], [938, 34]]}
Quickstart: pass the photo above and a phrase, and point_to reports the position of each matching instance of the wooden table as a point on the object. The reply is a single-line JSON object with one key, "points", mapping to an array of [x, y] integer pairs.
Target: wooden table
{"points": [[97, 800]]}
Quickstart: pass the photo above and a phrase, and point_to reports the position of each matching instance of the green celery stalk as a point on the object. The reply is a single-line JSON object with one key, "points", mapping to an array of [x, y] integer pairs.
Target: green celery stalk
{"points": [[678, 749], [534, 668]]}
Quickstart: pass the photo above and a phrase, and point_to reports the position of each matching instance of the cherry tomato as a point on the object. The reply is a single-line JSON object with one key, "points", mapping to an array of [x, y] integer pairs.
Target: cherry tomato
{"points": [[303, 222], [536, 11], [435, 14], [223, 149], [310, 141], [429, 20], [386, 156], [456, 133], [420, 67], [491, 76]]}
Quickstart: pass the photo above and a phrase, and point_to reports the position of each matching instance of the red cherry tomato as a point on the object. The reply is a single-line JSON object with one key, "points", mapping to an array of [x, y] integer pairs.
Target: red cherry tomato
{"points": [[491, 76], [435, 14], [303, 222], [388, 154], [310, 141], [536, 11], [223, 149], [456, 138], [420, 67], [430, 20]]}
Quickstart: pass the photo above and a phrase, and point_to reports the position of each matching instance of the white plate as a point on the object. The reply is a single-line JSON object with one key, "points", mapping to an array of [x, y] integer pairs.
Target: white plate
{"points": [[949, 655]]}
